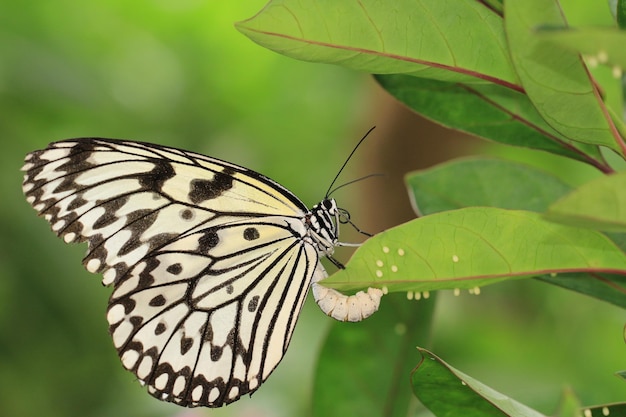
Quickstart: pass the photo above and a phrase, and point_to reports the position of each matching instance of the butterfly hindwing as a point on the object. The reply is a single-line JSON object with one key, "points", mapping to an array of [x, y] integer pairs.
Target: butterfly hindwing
{"points": [[207, 259], [221, 303]]}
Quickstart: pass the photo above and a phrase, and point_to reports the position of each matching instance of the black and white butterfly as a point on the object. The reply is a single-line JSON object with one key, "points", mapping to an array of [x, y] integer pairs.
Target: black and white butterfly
{"points": [[210, 262]]}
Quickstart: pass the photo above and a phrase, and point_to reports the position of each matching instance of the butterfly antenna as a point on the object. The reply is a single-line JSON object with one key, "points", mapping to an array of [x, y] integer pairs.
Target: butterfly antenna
{"points": [[347, 160], [353, 181]]}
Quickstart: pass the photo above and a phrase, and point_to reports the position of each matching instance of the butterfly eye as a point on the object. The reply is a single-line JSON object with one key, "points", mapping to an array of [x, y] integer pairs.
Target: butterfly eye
{"points": [[330, 206]]}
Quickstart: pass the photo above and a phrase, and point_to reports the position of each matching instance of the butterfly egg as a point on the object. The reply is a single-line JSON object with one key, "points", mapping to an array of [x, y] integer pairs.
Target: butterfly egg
{"points": [[385, 249], [418, 295], [394, 268], [379, 263], [602, 56], [401, 252], [385, 290], [587, 413], [455, 258], [457, 292], [379, 273], [410, 295], [426, 294], [592, 61], [476, 290]]}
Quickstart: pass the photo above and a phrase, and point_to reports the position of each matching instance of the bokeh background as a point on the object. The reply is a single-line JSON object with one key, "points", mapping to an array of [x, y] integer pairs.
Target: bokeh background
{"points": [[176, 72]]}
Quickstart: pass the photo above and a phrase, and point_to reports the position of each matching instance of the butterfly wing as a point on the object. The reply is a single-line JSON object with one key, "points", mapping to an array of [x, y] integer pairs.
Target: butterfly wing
{"points": [[207, 260]]}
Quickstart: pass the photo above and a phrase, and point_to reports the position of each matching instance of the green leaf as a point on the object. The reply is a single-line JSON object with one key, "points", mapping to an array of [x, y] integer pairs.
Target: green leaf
{"points": [[605, 45], [496, 5], [454, 41], [364, 367], [504, 184], [620, 13], [487, 110], [483, 182], [606, 287], [599, 204], [448, 392], [554, 78], [472, 247]]}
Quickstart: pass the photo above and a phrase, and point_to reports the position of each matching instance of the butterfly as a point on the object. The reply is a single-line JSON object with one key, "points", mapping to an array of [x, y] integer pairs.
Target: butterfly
{"points": [[210, 262]]}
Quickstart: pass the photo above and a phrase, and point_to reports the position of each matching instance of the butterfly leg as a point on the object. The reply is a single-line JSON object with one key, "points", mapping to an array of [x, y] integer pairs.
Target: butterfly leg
{"points": [[335, 262]]}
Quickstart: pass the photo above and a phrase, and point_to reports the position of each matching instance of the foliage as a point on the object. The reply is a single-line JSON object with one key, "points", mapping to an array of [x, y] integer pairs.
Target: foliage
{"points": [[513, 72]]}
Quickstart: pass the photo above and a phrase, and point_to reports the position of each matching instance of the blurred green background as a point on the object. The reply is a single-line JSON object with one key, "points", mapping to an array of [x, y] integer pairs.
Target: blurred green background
{"points": [[178, 73], [170, 72]]}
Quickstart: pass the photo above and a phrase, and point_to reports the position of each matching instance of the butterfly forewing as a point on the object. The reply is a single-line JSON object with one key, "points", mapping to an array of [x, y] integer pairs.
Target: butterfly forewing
{"points": [[209, 260]]}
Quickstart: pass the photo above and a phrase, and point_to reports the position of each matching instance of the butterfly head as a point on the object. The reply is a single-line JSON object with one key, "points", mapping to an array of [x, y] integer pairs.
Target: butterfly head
{"points": [[322, 223]]}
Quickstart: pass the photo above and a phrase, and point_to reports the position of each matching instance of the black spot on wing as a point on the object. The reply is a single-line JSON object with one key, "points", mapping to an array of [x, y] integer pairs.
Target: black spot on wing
{"points": [[76, 203], [110, 208], [175, 269], [80, 152], [136, 321], [253, 304], [157, 301], [185, 344], [186, 214], [216, 353], [251, 233], [202, 190], [159, 329], [155, 179], [208, 241]]}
